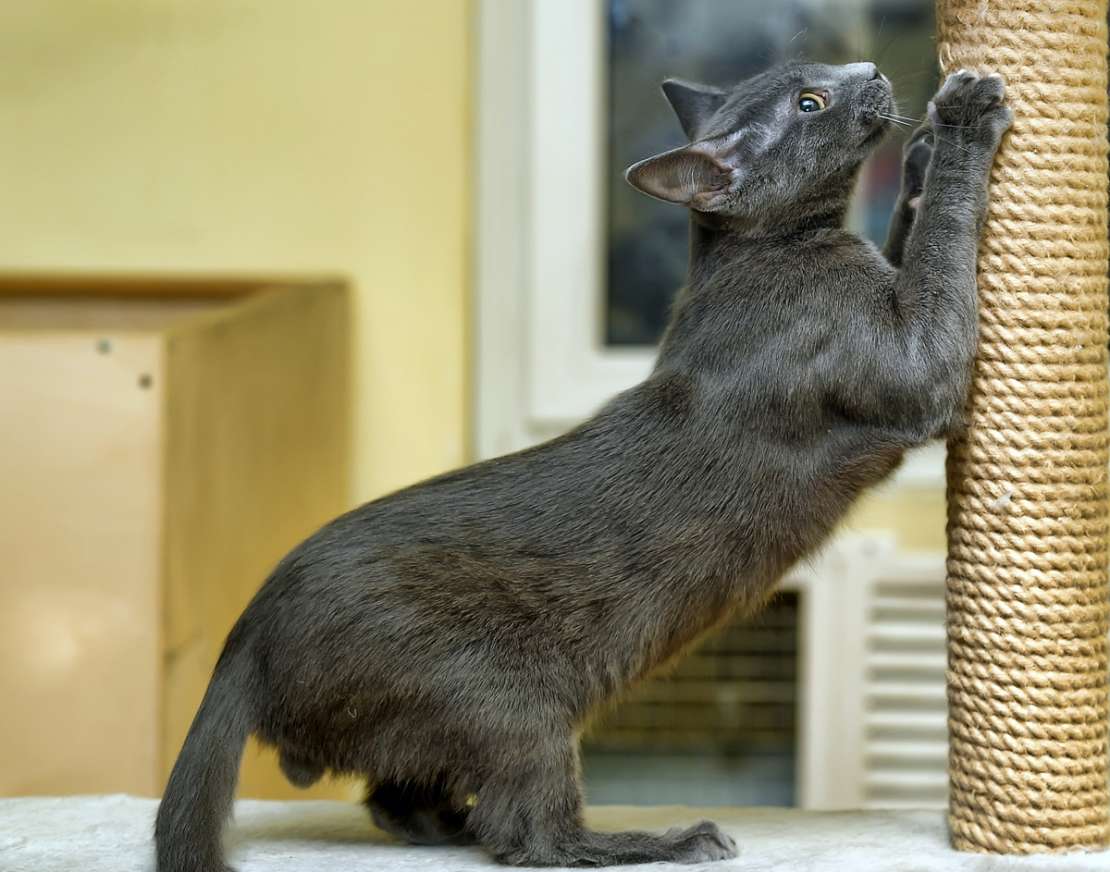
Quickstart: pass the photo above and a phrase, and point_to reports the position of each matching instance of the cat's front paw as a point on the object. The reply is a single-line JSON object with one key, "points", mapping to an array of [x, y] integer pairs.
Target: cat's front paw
{"points": [[916, 154], [969, 110]]}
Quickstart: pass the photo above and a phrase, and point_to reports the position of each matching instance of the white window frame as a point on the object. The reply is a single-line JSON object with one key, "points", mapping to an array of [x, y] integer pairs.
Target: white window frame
{"points": [[541, 363]]}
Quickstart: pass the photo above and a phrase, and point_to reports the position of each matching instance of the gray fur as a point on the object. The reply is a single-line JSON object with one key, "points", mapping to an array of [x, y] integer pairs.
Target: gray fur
{"points": [[450, 642]]}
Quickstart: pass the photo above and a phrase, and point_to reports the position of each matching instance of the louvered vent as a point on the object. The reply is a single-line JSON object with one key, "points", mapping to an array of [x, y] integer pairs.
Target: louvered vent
{"points": [[905, 734]]}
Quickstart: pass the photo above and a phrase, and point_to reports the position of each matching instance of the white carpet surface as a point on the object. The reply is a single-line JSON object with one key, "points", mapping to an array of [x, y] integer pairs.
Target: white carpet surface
{"points": [[112, 834]]}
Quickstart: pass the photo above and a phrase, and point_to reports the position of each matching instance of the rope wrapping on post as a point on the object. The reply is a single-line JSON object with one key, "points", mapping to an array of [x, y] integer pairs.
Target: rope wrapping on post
{"points": [[1027, 482]]}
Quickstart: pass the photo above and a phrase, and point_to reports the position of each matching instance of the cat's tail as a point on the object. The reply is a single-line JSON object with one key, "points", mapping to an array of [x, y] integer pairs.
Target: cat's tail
{"points": [[197, 801]]}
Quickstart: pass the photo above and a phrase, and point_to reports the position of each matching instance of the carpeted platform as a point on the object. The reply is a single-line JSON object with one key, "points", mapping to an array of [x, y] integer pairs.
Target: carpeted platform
{"points": [[112, 834]]}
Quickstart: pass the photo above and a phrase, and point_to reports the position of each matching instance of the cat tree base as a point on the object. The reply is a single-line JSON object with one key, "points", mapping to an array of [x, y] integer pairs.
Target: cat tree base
{"points": [[112, 834]]}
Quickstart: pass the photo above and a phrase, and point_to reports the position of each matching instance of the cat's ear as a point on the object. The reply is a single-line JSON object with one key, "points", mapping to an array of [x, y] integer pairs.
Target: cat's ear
{"points": [[692, 103], [695, 175]]}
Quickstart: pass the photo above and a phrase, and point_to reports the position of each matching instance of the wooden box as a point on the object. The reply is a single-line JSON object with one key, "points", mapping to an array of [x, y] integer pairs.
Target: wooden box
{"points": [[162, 443]]}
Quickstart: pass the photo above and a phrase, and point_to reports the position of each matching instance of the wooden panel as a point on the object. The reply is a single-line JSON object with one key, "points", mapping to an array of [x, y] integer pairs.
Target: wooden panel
{"points": [[80, 512], [101, 313], [257, 439], [100, 285]]}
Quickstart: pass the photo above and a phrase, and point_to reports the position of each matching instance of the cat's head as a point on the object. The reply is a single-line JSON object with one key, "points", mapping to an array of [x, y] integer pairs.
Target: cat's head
{"points": [[788, 141]]}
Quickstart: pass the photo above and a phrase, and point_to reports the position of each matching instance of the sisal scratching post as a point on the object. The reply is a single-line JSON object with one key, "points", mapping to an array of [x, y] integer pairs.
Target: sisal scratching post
{"points": [[1027, 489]]}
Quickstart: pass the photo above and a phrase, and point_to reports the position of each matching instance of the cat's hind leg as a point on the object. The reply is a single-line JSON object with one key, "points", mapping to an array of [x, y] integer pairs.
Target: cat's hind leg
{"points": [[417, 814], [530, 814]]}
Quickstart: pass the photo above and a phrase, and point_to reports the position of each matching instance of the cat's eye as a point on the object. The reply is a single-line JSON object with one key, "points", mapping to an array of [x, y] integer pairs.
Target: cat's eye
{"points": [[811, 101]]}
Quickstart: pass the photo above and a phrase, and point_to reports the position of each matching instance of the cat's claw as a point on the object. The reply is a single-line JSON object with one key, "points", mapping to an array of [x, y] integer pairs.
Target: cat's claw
{"points": [[969, 109]]}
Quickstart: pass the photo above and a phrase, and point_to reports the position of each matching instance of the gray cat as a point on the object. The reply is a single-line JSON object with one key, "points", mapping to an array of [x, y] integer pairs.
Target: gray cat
{"points": [[451, 641]]}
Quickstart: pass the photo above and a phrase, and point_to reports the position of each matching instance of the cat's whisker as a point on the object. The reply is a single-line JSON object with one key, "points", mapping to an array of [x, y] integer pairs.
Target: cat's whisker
{"points": [[909, 119], [887, 44], [895, 120], [910, 122]]}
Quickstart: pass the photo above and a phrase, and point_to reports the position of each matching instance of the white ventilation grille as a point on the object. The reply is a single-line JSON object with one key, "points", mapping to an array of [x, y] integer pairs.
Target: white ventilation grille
{"points": [[905, 743], [873, 716], [846, 665]]}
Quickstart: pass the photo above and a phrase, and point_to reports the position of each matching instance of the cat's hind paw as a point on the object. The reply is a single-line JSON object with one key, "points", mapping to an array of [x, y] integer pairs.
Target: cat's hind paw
{"points": [[704, 842]]}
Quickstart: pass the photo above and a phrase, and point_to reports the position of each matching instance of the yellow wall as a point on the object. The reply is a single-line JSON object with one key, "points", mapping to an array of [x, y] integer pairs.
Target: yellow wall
{"points": [[914, 516], [262, 135]]}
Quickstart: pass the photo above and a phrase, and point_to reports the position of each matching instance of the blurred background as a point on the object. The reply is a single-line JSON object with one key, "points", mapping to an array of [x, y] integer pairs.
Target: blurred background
{"points": [[262, 260]]}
